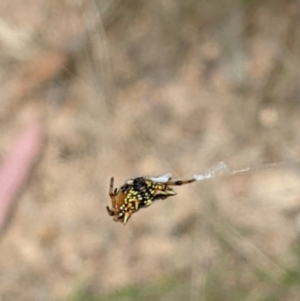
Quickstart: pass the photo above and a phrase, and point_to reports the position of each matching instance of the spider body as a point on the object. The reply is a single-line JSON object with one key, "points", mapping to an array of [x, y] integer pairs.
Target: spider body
{"points": [[139, 193]]}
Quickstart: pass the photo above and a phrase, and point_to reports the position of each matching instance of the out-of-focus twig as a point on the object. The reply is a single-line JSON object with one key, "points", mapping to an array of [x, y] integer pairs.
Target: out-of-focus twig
{"points": [[16, 167]]}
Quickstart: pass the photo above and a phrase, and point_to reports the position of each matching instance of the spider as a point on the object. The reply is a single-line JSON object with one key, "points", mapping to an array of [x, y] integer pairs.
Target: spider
{"points": [[139, 193]]}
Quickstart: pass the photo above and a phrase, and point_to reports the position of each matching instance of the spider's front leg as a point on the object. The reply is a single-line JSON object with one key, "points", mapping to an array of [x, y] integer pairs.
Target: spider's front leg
{"points": [[164, 190], [112, 195], [111, 187], [168, 191]]}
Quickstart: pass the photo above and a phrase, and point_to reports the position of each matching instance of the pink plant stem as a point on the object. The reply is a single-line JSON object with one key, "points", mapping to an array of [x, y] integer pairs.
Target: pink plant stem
{"points": [[15, 168]]}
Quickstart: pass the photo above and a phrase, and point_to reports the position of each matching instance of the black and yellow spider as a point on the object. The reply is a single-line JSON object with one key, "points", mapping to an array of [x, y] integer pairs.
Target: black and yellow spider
{"points": [[139, 193]]}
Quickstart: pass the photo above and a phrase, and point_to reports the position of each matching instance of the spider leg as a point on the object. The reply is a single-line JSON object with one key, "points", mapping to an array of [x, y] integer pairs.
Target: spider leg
{"points": [[111, 187], [168, 191], [179, 182], [110, 212], [163, 194], [112, 195]]}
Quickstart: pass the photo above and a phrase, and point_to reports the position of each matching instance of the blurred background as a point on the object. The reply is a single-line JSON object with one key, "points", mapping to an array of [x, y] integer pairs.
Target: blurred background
{"points": [[130, 88]]}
